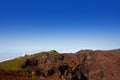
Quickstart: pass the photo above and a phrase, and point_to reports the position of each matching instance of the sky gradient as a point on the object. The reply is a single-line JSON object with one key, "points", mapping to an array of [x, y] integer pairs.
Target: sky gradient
{"points": [[28, 26]]}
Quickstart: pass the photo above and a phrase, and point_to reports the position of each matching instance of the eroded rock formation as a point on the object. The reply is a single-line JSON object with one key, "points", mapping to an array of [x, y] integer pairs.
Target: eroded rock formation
{"points": [[82, 65]]}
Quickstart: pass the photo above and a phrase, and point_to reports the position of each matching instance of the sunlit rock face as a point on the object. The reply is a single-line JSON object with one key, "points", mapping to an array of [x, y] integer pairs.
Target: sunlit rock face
{"points": [[82, 65]]}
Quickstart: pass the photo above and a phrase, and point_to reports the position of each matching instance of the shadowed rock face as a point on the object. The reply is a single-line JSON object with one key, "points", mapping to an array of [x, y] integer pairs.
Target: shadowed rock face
{"points": [[82, 65]]}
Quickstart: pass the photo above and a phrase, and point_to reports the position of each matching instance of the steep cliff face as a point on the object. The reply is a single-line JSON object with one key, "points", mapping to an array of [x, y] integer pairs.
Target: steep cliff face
{"points": [[82, 65]]}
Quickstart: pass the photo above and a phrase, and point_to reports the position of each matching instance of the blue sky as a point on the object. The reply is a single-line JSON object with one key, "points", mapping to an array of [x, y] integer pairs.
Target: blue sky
{"points": [[28, 26]]}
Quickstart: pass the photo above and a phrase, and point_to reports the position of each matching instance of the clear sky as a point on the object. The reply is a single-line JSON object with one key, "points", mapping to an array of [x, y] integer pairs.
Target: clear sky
{"points": [[28, 26]]}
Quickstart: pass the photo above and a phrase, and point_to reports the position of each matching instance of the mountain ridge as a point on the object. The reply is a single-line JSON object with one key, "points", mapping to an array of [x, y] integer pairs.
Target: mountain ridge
{"points": [[51, 65]]}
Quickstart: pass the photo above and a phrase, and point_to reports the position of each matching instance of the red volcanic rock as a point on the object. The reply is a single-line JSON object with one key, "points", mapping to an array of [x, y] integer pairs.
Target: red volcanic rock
{"points": [[82, 65]]}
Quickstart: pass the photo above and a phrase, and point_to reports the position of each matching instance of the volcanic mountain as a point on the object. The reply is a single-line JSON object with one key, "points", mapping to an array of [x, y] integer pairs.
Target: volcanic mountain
{"points": [[51, 65]]}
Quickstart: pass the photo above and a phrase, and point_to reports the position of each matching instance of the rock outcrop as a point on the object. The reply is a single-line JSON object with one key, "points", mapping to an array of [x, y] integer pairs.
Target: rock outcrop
{"points": [[82, 65]]}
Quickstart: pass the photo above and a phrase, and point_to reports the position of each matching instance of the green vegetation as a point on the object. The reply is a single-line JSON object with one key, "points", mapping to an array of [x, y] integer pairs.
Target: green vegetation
{"points": [[15, 64], [53, 53], [33, 74]]}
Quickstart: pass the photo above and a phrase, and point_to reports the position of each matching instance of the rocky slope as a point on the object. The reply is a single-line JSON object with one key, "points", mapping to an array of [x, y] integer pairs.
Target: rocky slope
{"points": [[82, 65]]}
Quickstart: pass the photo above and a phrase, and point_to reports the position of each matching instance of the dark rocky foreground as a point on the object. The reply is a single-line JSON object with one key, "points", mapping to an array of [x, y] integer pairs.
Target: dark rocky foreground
{"points": [[82, 65]]}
